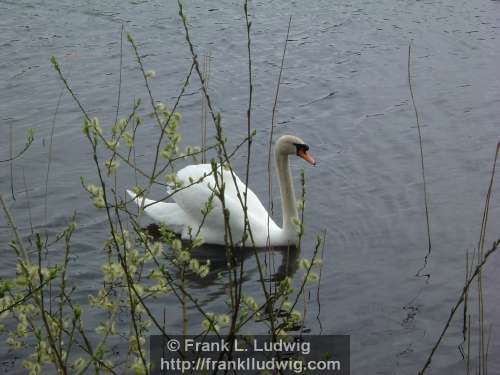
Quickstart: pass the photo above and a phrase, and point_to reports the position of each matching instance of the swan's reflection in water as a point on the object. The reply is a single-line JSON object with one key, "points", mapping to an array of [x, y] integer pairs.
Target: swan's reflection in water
{"points": [[277, 262]]}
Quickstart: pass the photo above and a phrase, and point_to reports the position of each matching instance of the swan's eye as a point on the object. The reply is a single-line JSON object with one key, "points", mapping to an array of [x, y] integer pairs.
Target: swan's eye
{"points": [[301, 147]]}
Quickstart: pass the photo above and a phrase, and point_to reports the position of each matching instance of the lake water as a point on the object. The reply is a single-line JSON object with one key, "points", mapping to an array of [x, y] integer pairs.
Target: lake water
{"points": [[344, 91]]}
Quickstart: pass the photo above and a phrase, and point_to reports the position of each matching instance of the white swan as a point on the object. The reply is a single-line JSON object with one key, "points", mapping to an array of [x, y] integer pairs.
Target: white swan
{"points": [[186, 212]]}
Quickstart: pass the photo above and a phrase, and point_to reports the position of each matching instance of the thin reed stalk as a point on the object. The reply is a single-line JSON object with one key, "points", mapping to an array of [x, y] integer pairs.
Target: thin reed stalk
{"points": [[422, 167], [482, 368]]}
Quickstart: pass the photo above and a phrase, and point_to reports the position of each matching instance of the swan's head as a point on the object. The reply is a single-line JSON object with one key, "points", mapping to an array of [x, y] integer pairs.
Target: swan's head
{"points": [[292, 145]]}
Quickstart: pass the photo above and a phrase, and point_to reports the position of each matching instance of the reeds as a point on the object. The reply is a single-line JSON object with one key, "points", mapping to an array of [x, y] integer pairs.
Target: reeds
{"points": [[471, 273]]}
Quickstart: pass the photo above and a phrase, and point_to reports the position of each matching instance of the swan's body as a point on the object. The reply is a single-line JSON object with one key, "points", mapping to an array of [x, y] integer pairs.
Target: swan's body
{"points": [[186, 212]]}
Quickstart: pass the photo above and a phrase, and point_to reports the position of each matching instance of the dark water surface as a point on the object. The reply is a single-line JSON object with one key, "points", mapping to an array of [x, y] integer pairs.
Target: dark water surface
{"points": [[344, 91]]}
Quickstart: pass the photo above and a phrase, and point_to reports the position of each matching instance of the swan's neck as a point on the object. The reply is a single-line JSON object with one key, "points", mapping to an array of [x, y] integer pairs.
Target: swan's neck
{"points": [[288, 204]]}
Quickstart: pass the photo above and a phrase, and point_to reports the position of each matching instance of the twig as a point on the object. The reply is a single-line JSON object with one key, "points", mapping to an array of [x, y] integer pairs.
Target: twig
{"points": [[319, 285], [273, 124], [459, 302], [20, 153], [49, 155], [25, 297], [28, 202], [20, 246], [120, 75], [270, 208], [11, 159]]}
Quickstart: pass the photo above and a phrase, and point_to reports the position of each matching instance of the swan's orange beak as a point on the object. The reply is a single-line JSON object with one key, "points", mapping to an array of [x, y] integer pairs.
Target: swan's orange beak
{"points": [[306, 156]]}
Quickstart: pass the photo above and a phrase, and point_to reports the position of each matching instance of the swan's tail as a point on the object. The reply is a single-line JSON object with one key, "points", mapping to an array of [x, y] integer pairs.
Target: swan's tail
{"points": [[167, 213]]}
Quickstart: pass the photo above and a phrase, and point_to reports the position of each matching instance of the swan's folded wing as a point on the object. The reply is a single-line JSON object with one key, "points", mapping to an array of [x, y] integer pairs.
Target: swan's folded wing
{"points": [[197, 189], [255, 206], [167, 213], [257, 213], [201, 184]]}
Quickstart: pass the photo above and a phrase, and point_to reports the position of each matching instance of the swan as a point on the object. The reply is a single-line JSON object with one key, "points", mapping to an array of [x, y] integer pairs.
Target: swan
{"points": [[186, 212]]}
